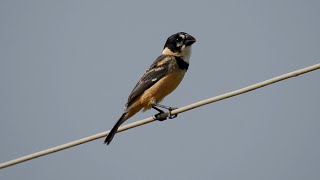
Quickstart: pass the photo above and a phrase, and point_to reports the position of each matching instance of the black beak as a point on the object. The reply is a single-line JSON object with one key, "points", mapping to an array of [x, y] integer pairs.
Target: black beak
{"points": [[189, 40]]}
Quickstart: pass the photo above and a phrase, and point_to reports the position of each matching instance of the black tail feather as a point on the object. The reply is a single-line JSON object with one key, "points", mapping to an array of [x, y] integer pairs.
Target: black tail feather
{"points": [[115, 129]]}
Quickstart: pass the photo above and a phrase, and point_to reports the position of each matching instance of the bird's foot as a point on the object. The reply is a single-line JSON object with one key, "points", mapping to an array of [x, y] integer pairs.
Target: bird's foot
{"points": [[161, 115], [172, 116]]}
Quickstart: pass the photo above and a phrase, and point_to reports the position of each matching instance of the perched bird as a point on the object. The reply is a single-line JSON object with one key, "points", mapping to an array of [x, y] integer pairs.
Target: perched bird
{"points": [[160, 79]]}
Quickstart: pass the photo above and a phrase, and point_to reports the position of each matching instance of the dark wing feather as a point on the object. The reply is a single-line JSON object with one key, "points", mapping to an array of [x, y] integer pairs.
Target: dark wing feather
{"points": [[156, 71]]}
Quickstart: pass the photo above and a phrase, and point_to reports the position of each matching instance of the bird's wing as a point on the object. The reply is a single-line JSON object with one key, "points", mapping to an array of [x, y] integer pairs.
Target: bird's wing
{"points": [[156, 71]]}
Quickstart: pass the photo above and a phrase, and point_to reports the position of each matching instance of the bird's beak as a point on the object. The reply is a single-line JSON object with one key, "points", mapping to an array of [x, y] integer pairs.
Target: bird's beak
{"points": [[190, 40]]}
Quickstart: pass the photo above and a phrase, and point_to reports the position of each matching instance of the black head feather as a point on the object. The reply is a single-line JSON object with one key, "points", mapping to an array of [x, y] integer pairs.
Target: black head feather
{"points": [[178, 40]]}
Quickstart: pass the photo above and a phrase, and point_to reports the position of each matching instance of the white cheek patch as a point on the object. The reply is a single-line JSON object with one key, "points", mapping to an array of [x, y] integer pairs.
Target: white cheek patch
{"points": [[186, 53], [179, 44], [155, 79]]}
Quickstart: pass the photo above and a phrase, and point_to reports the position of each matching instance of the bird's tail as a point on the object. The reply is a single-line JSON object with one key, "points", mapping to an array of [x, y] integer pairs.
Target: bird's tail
{"points": [[115, 128]]}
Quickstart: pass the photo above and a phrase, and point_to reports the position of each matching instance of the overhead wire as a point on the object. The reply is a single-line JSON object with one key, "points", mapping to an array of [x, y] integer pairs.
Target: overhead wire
{"points": [[151, 119]]}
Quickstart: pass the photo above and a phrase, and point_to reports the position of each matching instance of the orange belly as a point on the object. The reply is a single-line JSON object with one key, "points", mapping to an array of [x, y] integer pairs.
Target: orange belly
{"points": [[155, 93], [161, 89]]}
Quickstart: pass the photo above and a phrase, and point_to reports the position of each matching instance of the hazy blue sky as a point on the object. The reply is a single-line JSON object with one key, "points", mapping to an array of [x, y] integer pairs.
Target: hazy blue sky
{"points": [[67, 68]]}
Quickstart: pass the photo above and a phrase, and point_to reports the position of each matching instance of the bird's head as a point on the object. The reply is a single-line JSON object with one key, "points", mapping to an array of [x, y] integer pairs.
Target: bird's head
{"points": [[179, 44]]}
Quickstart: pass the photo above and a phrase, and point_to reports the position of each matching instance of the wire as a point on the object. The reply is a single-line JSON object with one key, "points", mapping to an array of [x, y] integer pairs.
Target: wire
{"points": [[150, 119]]}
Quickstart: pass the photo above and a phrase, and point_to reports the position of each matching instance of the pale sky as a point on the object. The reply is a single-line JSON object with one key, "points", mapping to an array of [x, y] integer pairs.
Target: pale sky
{"points": [[67, 68]]}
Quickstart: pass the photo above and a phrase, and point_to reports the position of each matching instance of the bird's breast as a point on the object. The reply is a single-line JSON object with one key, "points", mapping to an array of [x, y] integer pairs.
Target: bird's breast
{"points": [[162, 88]]}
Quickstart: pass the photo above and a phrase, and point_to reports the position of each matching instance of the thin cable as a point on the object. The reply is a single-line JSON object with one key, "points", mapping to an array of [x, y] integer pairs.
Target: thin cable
{"points": [[150, 119]]}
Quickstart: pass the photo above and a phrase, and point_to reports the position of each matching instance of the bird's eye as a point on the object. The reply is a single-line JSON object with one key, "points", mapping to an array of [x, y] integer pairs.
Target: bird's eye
{"points": [[179, 39]]}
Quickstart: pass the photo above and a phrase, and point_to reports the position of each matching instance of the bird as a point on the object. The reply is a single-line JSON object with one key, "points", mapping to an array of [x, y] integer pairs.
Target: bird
{"points": [[159, 80]]}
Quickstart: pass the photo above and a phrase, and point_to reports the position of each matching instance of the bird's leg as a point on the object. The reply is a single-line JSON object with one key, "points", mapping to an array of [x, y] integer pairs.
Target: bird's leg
{"points": [[159, 110], [168, 108], [155, 105], [157, 116]]}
